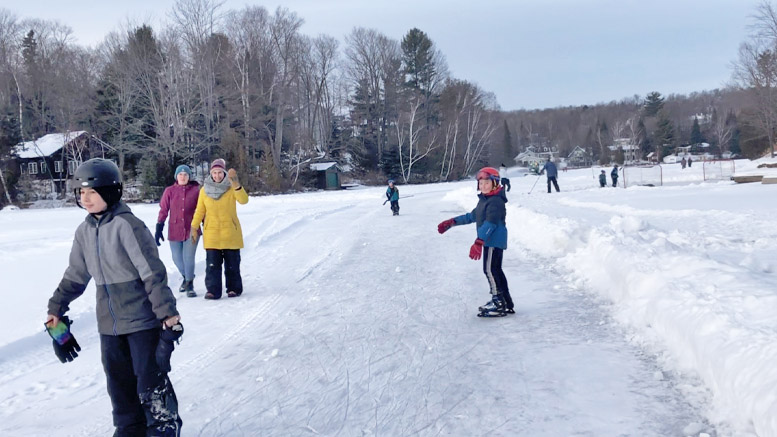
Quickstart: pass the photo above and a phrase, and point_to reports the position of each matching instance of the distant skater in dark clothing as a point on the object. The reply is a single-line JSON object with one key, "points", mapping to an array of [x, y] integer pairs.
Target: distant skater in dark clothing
{"points": [[603, 179], [552, 174], [392, 195], [614, 175]]}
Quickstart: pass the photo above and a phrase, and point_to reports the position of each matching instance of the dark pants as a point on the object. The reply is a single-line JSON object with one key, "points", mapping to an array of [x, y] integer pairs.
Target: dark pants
{"points": [[231, 260], [492, 267], [142, 396], [555, 184], [395, 206], [615, 181]]}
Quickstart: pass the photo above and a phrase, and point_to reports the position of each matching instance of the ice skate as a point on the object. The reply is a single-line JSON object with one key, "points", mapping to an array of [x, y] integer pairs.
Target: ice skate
{"points": [[494, 308]]}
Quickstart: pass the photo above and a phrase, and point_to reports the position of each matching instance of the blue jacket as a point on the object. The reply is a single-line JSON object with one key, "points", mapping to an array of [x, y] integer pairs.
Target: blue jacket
{"points": [[392, 195], [489, 216], [550, 167]]}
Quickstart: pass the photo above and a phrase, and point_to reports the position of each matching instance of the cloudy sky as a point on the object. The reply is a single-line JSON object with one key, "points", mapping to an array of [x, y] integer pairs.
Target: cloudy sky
{"points": [[530, 53]]}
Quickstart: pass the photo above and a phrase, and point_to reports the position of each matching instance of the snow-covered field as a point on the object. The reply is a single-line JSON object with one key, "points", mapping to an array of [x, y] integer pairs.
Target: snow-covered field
{"points": [[644, 312]]}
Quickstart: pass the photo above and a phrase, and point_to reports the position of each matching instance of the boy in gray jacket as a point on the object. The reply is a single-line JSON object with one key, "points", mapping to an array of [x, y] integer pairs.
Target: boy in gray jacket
{"points": [[135, 307]]}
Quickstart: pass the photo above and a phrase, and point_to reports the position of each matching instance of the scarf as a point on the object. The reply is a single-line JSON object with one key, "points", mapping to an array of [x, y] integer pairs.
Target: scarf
{"points": [[214, 189]]}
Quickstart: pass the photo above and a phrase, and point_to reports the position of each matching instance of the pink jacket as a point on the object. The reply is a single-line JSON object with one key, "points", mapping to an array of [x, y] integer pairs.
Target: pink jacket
{"points": [[180, 201]]}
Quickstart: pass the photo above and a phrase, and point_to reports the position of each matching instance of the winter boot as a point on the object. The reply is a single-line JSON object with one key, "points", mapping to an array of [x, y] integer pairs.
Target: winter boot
{"points": [[182, 288], [494, 308], [190, 289], [138, 430]]}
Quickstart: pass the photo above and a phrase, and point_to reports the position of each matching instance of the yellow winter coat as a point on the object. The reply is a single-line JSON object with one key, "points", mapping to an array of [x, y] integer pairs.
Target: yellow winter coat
{"points": [[222, 228]]}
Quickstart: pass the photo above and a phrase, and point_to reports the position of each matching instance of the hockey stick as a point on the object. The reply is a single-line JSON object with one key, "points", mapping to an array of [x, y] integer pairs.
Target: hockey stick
{"points": [[403, 197], [535, 183]]}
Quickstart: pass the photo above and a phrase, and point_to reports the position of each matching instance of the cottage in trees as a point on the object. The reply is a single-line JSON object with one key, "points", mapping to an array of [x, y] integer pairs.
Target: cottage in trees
{"points": [[578, 157], [49, 161], [632, 153], [533, 156]]}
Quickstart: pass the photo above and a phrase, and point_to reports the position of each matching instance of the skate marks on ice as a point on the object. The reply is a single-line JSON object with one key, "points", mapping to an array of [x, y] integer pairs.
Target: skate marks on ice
{"points": [[583, 364]]}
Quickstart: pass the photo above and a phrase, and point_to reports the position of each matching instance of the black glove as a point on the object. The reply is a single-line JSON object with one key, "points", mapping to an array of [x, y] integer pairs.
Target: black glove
{"points": [[167, 339], [65, 345], [158, 235]]}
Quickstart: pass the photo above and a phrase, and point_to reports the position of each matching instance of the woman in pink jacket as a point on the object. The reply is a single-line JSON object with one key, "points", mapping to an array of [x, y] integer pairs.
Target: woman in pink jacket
{"points": [[180, 200]]}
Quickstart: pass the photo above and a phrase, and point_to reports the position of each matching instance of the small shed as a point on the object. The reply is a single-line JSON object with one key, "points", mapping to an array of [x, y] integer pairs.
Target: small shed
{"points": [[327, 175]]}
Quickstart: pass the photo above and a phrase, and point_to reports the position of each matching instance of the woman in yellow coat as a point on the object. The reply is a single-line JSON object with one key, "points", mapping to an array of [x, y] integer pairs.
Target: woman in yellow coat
{"points": [[222, 236]]}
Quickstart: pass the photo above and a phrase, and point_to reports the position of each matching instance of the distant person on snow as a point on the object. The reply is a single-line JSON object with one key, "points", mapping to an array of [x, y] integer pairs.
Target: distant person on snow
{"points": [[392, 195], [682, 163], [552, 173], [180, 201], [222, 236], [614, 175], [136, 312], [489, 217], [603, 179], [503, 179], [690, 161]]}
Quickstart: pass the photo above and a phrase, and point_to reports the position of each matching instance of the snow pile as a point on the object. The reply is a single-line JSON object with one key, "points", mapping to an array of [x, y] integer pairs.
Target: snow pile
{"points": [[696, 287]]}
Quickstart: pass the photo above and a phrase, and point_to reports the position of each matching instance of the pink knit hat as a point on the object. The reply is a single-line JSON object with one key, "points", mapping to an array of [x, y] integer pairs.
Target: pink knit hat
{"points": [[218, 163]]}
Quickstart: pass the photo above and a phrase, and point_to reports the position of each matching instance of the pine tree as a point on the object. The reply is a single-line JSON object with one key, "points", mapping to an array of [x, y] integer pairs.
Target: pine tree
{"points": [[390, 163], [696, 135], [419, 66], [733, 144], [653, 104], [643, 139], [508, 144], [665, 134]]}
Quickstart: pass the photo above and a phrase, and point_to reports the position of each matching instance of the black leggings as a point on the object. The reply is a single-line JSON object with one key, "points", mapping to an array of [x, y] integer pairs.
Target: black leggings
{"points": [[492, 267]]}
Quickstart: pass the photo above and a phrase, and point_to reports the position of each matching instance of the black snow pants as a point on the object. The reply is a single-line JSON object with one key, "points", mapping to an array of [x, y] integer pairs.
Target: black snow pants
{"points": [[142, 396], [492, 267], [395, 206], [231, 260], [552, 179]]}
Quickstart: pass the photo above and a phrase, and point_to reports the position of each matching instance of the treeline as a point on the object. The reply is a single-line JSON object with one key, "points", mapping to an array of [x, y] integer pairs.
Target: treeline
{"points": [[655, 123], [248, 86]]}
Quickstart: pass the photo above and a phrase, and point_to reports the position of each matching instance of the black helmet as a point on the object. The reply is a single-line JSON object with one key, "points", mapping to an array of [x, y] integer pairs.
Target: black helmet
{"points": [[102, 175]]}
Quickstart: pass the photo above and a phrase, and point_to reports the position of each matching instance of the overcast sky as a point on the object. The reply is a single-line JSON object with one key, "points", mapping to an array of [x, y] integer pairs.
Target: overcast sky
{"points": [[530, 53]]}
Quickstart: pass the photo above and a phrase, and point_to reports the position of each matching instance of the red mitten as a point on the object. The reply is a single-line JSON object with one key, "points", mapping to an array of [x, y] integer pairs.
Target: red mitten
{"points": [[444, 226], [476, 250]]}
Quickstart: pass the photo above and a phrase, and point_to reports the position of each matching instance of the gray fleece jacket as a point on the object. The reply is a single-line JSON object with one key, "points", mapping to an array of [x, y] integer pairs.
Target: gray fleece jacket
{"points": [[118, 251]]}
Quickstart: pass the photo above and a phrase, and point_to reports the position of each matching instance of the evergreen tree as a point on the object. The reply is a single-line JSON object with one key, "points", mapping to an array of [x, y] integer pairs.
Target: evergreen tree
{"points": [[417, 56], [508, 144], [390, 163], [653, 104], [696, 135], [643, 139], [665, 137], [30, 51], [733, 143], [421, 71]]}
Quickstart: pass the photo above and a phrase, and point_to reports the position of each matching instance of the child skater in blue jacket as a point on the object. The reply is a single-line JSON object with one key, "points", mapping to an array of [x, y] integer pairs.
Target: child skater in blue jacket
{"points": [[489, 217]]}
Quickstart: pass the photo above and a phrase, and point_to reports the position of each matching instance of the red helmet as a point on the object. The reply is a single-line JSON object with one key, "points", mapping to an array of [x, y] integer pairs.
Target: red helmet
{"points": [[488, 173]]}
